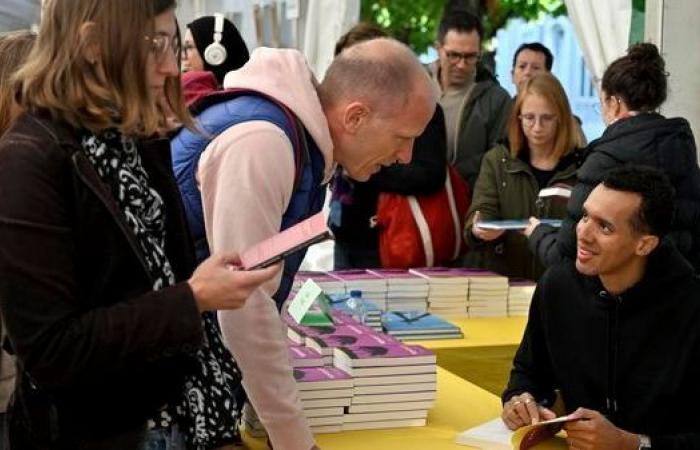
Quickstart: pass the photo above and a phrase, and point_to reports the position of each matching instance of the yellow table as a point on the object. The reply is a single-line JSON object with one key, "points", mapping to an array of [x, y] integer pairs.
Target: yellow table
{"points": [[460, 405], [481, 332]]}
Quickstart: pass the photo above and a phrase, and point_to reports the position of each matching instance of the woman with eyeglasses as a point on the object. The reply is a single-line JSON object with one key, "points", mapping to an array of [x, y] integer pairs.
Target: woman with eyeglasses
{"points": [[98, 287], [539, 153], [633, 88]]}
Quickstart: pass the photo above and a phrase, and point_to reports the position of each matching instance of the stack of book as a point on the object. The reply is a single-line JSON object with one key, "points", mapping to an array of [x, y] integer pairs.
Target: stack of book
{"points": [[448, 292], [301, 356], [416, 325], [405, 290], [372, 312], [520, 294], [373, 287], [327, 282], [488, 294], [325, 339], [394, 385], [325, 392]]}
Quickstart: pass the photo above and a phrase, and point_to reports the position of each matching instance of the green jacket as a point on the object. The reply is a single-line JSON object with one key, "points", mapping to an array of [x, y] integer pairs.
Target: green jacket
{"points": [[507, 189], [483, 119]]}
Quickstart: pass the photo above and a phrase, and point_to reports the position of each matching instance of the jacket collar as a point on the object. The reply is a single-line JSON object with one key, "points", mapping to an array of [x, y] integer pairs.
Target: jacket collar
{"points": [[665, 268]]}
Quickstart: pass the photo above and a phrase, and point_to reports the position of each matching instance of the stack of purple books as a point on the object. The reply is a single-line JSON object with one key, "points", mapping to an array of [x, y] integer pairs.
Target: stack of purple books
{"points": [[373, 286], [325, 393], [449, 288], [394, 385], [520, 294], [405, 291], [488, 294]]}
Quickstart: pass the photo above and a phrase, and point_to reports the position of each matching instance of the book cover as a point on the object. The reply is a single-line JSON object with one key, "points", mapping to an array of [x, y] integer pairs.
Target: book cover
{"points": [[305, 357], [321, 378], [349, 340], [305, 233], [515, 224], [495, 435], [405, 322], [382, 355], [353, 329]]}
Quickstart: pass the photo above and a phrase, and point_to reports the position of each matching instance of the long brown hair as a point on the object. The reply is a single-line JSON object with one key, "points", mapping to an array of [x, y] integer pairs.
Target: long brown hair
{"points": [[14, 48], [547, 86], [60, 79]]}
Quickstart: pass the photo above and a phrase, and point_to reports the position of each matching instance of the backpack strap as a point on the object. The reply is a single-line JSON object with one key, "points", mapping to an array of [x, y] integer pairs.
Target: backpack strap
{"points": [[298, 138]]}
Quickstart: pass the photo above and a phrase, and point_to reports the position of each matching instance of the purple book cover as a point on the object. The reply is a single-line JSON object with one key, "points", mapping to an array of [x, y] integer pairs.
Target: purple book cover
{"points": [[297, 352], [349, 340], [386, 351], [351, 329], [308, 374]]}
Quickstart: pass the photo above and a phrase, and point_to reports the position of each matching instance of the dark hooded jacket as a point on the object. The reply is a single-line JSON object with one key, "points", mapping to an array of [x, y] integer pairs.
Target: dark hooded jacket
{"points": [[648, 140], [634, 357]]}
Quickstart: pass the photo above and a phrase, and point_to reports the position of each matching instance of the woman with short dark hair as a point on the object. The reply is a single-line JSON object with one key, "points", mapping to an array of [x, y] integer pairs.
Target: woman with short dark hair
{"points": [[633, 88]]}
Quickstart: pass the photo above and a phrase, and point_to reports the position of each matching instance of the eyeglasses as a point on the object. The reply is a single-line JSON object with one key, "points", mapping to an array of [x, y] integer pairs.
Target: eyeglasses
{"points": [[188, 47], [529, 120], [162, 43], [455, 57]]}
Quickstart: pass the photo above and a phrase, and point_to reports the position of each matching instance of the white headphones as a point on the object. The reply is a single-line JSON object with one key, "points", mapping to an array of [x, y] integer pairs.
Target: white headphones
{"points": [[215, 53]]}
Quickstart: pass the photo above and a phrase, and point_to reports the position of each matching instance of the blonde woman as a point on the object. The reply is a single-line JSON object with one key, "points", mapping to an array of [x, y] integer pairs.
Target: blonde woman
{"points": [[97, 288], [540, 153]]}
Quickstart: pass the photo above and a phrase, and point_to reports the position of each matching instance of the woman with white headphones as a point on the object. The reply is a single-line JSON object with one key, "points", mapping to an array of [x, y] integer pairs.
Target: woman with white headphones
{"points": [[212, 43]]}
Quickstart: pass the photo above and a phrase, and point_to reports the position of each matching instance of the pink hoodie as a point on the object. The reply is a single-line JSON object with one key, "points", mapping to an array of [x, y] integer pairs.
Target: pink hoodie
{"points": [[246, 176]]}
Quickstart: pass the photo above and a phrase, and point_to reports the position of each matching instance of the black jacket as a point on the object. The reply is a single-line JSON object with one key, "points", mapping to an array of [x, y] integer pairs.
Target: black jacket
{"points": [[646, 139], [634, 357], [425, 174], [100, 352]]}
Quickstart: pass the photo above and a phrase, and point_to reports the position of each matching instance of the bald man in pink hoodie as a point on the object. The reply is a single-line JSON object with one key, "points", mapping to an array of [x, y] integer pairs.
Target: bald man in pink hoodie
{"points": [[374, 101]]}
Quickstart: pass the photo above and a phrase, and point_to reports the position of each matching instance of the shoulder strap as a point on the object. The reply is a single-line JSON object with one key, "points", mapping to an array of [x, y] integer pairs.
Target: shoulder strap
{"points": [[298, 137]]}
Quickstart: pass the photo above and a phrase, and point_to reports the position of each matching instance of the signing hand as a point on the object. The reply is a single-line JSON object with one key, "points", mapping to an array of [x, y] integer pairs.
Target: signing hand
{"points": [[534, 222], [523, 410], [594, 431], [484, 234]]}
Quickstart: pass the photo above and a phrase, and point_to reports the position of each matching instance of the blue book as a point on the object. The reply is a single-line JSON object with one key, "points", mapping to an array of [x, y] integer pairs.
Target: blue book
{"points": [[514, 224], [416, 323]]}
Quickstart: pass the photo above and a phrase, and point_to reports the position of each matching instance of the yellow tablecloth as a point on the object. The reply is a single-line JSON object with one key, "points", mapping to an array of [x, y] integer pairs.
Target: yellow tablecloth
{"points": [[482, 332], [460, 405]]}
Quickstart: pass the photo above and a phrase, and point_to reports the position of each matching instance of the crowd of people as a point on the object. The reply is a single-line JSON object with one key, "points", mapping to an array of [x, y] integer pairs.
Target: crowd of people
{"points": [[136, 164]]}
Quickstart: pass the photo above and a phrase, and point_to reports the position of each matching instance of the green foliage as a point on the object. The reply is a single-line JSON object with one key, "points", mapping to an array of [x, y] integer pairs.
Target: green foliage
{"points": [[415, 22], [411, 21]]}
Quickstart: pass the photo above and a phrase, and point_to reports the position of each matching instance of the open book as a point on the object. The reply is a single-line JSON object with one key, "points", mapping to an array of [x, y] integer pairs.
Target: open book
{"points": [[514, 224], [305, 233], [495, 435]]}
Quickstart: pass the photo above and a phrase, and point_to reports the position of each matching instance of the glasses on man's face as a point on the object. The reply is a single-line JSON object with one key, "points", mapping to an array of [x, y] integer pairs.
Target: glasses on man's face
{"points": [[455, 57], [161, 44], [529, 120]]}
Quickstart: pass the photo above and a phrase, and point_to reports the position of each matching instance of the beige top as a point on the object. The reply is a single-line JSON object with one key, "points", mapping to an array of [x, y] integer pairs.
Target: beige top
{"points": [[246, 177], [452, 101]]}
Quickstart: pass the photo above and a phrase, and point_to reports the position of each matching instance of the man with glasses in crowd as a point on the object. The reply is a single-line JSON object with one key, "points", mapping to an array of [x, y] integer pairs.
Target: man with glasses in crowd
{"points": [[476, 107]]}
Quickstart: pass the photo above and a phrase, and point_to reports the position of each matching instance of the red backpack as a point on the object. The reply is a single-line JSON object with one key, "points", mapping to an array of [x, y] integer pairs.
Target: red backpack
{"points": [[423, 230]]}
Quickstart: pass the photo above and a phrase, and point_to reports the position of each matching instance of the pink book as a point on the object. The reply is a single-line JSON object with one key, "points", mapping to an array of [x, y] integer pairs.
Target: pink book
{"points": [[326, 344], [305, 357], [382, 355], [397, 274], [354, 329], [271, 250], [309, 378]]}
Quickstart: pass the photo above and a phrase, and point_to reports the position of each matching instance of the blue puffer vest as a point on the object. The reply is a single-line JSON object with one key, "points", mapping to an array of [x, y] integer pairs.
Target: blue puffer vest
{"points": [[218, 113]]}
